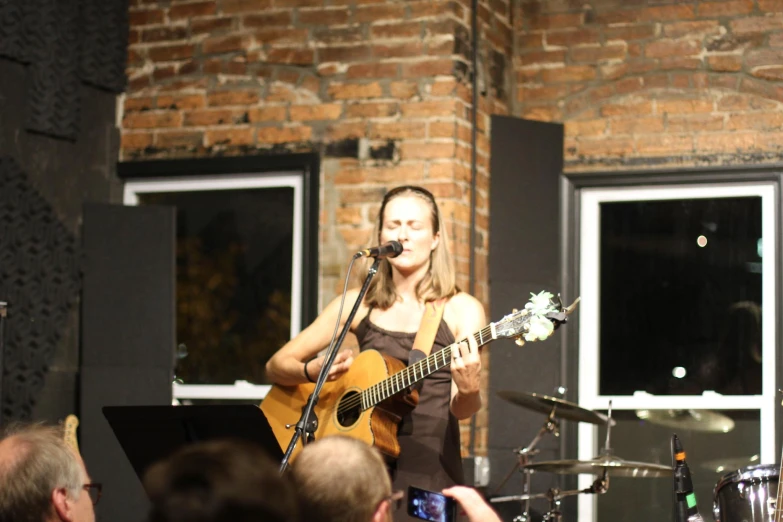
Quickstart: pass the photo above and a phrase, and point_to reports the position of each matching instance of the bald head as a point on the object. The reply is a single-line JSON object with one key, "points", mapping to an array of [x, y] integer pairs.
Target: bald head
{"points": [[340, 479]]}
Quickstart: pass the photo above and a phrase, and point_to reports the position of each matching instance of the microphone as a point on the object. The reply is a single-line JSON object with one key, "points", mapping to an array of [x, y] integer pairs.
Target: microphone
{"points": [[390, 249], [685, 508]]}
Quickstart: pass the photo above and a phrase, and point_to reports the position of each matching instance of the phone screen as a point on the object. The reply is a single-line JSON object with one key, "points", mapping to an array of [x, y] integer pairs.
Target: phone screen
{"points": [[430, 505]]}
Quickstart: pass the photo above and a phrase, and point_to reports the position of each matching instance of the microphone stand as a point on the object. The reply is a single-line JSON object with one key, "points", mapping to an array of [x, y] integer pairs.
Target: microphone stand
{"points": [[308, 423]]}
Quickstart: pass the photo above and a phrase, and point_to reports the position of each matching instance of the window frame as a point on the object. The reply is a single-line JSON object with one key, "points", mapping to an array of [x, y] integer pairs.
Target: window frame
{"points": [[297, 171], [578, 189]]}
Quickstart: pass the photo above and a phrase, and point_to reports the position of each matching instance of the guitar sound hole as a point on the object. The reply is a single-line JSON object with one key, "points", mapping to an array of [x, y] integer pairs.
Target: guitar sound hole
{"points": [[349, 409]]}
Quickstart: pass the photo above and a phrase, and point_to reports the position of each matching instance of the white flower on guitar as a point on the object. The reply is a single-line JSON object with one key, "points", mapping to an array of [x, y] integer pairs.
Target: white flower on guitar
{"points": [[539, 328], [540, 303]]}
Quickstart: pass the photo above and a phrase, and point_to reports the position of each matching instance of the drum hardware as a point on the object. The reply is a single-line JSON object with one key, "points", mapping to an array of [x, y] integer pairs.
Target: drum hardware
{"points": [[747, 494], [705, 421]]}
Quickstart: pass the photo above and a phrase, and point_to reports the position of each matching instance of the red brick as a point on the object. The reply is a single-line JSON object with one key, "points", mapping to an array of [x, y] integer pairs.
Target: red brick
{"points": [[426, 150], [664, 144], [298, 3], [402, 50], [341, 131], [629, 108], [371, 110], [281, 35], [178, 139], [596, 53], [400, 30], [441, 129], [163, 72], [146, 17], [629, 32], [548, 93], [325, 111], [352, 53], [338, 35], [728, 142], [138, 104], [636, 125], [756, 58], [210, 25], [428, 68], [372, 70], [205, 117], [136, 140], [571, 37], [744, 102], [720, 9], [586, 127], [691, 28], [225, 98], [190, 10], [232, 136], [574, 73], [397, 130], [757, 121], [541, 57], [181, 101], [680, 62], [375, 13], [163, 34], [756, 24], [428, 109], [170, 53], [725, 63], [267, 19], [289, 56], [556, 21], [324, 16], [684, 106], [276, 135], [774, 6], [694, 122], [267, 114], [152, 120], [666, 12], [244, 6], [529, 41], [606, 147], [355, 90], [225, 44], [403, 90], [666, 48]]}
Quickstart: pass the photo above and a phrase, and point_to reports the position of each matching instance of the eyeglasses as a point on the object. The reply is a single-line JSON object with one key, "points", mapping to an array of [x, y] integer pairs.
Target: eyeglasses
{"points": [[95, 489]]}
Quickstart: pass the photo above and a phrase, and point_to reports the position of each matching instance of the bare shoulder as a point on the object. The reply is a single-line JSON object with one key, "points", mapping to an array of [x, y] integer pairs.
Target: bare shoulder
{"points": [[464, 305]]}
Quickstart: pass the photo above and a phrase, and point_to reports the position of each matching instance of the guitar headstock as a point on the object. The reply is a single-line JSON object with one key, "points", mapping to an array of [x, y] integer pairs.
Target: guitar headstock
{"points": [[542, 315]]}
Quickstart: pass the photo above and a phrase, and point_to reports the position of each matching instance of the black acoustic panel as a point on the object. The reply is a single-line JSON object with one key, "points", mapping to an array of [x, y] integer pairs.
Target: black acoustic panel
{"points": [[104, 43], [128, 301], [15, 18], [123, 497], [53, 97], [39, 278], [524, 257]]}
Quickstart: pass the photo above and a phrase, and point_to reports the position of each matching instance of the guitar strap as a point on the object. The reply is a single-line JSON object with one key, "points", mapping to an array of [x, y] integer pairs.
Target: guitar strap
{"points": [[428, 329]]}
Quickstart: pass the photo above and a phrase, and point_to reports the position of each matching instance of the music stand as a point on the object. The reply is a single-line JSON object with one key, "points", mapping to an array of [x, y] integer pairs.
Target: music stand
{"points": [[150, 433]]}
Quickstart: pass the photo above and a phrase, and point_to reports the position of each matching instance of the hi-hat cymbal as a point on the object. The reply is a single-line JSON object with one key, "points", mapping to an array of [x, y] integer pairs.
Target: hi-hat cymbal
{"points": [[696, 420], [545, 404], [615, 466]]}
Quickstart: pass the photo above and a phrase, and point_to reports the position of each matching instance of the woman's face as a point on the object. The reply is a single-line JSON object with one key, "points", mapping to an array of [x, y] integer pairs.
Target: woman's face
{"points": [[408, 219]]}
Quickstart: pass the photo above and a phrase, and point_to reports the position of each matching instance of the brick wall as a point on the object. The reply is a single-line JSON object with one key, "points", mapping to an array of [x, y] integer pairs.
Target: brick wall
{"points": [[643, 84], [381, 88]]}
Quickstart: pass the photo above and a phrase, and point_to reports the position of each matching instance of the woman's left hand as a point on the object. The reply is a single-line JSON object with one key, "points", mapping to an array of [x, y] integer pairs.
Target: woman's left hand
{"points": [[466, 367]]}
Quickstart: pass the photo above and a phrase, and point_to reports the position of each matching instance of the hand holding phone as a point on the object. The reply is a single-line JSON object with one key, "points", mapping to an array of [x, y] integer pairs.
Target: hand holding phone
{"points": [[431, 505]]}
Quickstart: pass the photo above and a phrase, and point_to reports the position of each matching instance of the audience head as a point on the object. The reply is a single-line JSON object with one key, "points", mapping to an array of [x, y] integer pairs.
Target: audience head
{"points": [[339, 479], [42, 478], [219, 481]]}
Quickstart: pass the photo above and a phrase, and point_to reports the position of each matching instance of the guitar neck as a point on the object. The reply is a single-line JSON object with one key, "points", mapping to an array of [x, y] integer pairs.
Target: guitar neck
{"points": [[416, 372]]}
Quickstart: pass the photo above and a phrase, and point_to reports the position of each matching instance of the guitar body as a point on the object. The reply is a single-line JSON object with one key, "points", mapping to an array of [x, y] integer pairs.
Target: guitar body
{"points": [[376, 425]]}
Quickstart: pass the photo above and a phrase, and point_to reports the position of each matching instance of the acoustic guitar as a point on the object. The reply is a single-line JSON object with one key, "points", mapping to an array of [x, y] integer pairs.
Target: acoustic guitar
{"points": [[368, 401]]}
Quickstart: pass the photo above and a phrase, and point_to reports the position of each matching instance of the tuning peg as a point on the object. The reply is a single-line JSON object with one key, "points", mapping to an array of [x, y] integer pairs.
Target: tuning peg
{"points": [[519, 341]]}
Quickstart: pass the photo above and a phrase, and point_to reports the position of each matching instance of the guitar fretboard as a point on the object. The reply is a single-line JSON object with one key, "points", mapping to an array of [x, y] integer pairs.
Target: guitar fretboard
{"points": [[414, 373]]}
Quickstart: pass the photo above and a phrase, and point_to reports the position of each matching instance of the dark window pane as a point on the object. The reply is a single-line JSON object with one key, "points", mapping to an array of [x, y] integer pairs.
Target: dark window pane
{"points": [[234, 252], [651, 499], [681, 287]]}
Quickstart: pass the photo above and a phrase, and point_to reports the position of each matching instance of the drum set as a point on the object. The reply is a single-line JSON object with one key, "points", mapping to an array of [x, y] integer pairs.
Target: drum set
{"points": [[745, 494]]}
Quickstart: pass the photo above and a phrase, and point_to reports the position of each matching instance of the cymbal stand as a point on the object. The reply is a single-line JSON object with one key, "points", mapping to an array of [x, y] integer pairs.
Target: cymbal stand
{"points": [[555, 496], [550, 425]]}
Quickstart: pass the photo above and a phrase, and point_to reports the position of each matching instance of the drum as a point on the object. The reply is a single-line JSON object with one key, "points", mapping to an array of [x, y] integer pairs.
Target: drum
{"points": [[747, 495]]}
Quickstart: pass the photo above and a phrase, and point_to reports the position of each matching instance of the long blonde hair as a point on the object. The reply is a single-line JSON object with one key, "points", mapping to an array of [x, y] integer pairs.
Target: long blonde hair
{"points": [[439, 282]]}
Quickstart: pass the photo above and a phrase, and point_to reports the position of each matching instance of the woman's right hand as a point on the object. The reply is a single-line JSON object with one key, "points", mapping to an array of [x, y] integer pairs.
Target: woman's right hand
{"points": [[340, 365]]}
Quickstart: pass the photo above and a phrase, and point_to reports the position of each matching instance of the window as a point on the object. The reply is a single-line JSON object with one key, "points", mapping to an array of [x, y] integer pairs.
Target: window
{"points": [[678, 313], [242, 275]]}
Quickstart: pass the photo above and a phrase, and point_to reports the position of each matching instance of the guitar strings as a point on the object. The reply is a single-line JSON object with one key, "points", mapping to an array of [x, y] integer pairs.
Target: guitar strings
{"points": [[380, 389]]}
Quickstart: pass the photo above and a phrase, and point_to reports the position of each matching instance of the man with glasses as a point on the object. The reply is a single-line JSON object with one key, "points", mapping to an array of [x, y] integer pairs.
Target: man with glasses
{"points": [[339, 479], [42, 478]]}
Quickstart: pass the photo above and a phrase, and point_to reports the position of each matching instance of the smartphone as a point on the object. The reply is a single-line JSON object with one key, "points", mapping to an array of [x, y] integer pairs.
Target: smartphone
{"points": [[431, 505]]}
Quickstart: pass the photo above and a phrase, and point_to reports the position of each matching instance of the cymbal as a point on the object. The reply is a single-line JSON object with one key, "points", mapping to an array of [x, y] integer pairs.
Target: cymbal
{"points": [[615, 466], [544, 404], [697, 420], [730, 464]]}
